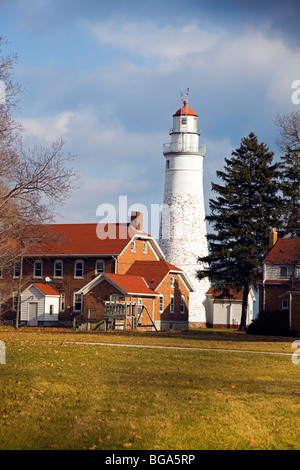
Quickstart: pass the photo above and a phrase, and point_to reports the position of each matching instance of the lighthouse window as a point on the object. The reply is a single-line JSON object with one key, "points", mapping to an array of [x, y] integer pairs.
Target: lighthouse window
{"points": [[167, 164], [183, 120]]}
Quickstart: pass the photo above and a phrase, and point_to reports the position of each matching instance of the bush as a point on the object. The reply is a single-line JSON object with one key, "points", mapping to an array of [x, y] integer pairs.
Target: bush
{"points": [[271, 323]]}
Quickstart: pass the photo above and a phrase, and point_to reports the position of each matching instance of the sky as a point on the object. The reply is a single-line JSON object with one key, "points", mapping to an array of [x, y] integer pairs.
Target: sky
{"points": [[106, 77]]}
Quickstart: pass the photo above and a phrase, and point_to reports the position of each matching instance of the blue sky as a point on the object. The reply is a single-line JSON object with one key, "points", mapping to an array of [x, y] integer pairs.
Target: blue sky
{"points": [[106, 77]]}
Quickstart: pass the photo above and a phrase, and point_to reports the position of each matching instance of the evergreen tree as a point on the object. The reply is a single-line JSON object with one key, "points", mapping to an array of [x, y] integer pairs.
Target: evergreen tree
{"points": [[290, 187], [246, 206]]}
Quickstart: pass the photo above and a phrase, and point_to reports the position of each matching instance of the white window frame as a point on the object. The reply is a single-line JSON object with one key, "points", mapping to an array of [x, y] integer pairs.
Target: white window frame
{"points": [[172, 304], [114, 297], [62, 269], [289, 272], [172, 282], [133, 246], [17, 263], [97, 271], [285, 304], [145, 246], [182, 305], [34, 269], [15, 300], [75, 269], [62, 302], [161, 303], [74, 302]]}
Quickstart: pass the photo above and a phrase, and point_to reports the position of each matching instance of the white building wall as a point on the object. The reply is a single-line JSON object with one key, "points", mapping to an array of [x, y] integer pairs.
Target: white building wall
{"points": [[183, 227], [34, 295]]}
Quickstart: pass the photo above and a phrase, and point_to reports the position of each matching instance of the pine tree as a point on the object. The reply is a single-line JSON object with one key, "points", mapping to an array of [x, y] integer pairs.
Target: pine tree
{"points": [[290, 187], [246, 206]]}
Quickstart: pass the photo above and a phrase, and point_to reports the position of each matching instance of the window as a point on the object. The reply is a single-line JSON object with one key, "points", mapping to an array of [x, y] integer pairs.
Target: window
{"points": [[183, 120], [78, 269], [62, 302], [17, 268], [172, 304], [132, 247], [15, 300], [283, 271], [285, 304], [51, 309], [172, 282], [140, 305], [58, 268], [38, 269], [99, 267], [114, 297], [286, 271], [167, 164], [182, 305], [78, 302], [145, 248], [161, 303]]}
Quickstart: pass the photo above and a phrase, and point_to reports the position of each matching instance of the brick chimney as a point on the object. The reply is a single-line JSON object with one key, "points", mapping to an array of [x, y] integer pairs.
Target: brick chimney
{"points": [[137, 220], [272, 238]]}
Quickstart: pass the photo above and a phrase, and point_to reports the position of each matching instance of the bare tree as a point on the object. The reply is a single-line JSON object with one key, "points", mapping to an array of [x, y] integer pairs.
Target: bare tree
{"points": [[289, 130], [33, 181]]}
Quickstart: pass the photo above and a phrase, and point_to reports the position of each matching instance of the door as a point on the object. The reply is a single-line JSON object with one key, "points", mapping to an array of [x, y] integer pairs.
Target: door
{"points": [[32, 314]]}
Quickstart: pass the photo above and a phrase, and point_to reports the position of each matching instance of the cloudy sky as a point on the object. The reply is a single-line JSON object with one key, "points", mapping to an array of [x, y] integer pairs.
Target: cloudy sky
{"points": [[106, 77]]}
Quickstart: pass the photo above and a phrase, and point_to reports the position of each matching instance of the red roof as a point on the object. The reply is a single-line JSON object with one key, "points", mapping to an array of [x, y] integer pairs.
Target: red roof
{"points": [[285, 251], [152, 271], [131, 284], [185, 110], [46, 289], [233, 294], [84, 239]]}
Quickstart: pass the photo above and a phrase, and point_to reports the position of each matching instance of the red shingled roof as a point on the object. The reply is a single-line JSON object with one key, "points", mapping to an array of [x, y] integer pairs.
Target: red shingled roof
{"points": [[131, 284], [152, 271], [285, 251], [70, 239], [46, 289]]}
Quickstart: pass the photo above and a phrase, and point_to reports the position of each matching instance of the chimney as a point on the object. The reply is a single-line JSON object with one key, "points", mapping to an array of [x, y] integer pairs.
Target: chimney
{"points": [[272, 238], [137, 220]]}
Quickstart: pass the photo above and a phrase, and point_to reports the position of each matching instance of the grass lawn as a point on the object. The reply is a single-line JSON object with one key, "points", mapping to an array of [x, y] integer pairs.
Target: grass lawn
{"points": [[55, 394]]}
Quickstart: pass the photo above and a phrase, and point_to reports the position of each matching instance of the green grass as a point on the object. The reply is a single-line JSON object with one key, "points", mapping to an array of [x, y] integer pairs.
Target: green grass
{"points": [[58, 395]]}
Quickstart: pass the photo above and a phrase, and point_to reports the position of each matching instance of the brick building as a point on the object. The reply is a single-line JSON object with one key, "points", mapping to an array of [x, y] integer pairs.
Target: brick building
{"points": [[279, 287], [88, 268]]}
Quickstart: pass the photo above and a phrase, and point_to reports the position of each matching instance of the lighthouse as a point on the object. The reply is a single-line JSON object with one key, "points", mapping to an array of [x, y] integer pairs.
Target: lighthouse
{"points": [[182, 235]]}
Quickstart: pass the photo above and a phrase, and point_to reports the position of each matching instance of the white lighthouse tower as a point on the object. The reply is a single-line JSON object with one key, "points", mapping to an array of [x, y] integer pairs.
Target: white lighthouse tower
{"points": [[183, 228]]}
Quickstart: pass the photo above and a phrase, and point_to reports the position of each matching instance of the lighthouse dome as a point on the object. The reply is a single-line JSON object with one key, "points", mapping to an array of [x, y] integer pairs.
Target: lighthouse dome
{"points": [[185, 110]]}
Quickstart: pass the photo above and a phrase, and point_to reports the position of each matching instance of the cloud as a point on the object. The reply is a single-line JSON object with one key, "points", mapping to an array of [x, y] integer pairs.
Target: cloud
{"points": [[148, 40]]}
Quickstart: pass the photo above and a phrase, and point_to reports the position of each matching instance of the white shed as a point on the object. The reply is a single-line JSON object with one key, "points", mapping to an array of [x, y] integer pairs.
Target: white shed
{"points": [[39, 305], [226, 312]]}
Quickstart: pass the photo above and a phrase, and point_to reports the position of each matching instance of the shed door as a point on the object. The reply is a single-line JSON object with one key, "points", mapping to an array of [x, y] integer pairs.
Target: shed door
{"points": [[32, 314]]}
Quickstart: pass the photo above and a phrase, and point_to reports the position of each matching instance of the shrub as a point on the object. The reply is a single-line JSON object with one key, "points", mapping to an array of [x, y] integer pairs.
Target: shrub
{"points": [[271, 323]]}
